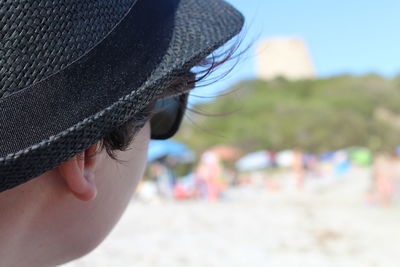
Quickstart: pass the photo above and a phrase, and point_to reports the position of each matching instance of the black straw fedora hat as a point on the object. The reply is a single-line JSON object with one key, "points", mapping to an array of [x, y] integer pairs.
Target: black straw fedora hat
{"points": [[72, 70]]}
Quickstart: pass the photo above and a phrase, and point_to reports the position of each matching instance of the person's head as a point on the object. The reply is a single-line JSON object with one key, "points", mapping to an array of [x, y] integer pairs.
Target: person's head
{"points": [[86, 85]]}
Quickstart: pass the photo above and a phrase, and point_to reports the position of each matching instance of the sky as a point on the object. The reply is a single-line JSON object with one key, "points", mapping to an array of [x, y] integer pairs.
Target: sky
{"points": [[352, 36]]}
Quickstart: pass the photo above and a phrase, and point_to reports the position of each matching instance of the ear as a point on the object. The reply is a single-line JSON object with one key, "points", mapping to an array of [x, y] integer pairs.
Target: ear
{"points": [[78, 173]]}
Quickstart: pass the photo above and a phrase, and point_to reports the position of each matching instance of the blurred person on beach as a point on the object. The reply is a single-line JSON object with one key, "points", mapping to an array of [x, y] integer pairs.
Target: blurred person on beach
{"points": [[78, 94], [299, 169], [165, 177], [312, 166], [342, 164], [383, 173], [396, 178], [209, 180]]}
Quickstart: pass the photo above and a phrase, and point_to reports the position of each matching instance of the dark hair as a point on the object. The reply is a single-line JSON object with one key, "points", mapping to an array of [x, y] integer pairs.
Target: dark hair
{"points": [[121, 137]]}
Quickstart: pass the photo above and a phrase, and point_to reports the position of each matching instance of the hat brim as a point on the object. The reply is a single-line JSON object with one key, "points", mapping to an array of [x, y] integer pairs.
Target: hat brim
{"points": [[199, 27]]}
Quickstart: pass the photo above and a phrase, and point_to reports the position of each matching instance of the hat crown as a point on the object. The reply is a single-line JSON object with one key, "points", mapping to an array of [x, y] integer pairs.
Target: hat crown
{"points": [[41, 37]]}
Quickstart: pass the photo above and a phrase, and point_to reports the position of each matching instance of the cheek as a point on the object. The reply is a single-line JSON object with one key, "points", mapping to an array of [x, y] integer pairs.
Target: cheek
{"points": [[119, 179], [128, 171], [116, 183]]}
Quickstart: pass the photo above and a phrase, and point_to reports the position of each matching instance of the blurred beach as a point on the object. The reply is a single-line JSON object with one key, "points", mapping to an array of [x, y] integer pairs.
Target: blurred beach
{"points": [[329, 223]]}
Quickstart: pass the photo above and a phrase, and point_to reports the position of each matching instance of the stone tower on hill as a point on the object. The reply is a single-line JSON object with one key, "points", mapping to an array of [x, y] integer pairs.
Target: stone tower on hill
{"points": [[285, 57]]}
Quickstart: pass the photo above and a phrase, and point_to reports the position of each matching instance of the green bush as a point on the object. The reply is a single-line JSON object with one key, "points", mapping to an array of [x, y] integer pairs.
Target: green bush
{"points": [[313, 115]]}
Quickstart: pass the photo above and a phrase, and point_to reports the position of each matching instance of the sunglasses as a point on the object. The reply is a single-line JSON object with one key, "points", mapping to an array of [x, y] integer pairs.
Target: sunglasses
{"points": [[167, 117]]}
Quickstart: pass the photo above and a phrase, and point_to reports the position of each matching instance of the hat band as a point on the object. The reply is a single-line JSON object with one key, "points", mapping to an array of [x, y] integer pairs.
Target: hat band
{"points": [[115, 67]]}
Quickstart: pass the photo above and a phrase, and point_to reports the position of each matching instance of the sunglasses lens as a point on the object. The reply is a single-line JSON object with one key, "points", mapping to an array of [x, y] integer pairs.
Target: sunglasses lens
{"points": [[168, 115]]}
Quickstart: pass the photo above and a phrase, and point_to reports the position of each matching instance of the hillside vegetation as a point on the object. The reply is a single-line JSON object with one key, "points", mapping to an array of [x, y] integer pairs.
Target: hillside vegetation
{"points": [[314, 115]]}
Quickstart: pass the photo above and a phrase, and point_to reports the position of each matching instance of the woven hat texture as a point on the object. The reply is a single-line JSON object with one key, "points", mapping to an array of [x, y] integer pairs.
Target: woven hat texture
{"points": [[48, 39], [41, 37]]}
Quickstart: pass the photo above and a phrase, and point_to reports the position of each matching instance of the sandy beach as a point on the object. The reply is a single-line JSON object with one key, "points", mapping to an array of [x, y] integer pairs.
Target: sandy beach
{"points": [[329, 224]]}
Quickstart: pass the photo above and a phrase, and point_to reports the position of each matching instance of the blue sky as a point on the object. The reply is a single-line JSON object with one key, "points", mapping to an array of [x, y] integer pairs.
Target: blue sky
{"points": [[350, 36]]}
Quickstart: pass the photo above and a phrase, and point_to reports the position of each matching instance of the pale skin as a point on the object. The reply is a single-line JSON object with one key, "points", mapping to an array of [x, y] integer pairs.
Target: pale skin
{"points": [[66, 212]]}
